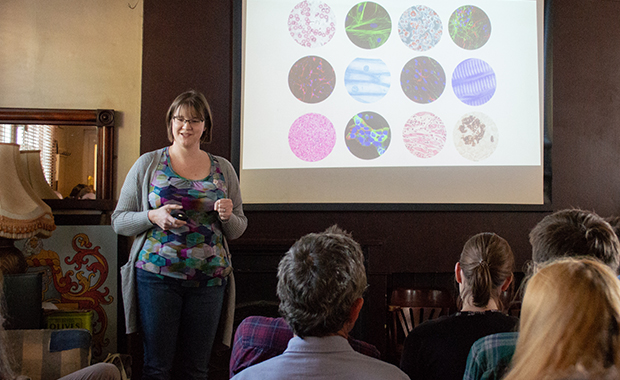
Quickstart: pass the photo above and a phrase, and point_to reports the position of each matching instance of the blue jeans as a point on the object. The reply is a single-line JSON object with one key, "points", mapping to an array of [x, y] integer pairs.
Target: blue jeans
{"points": [[179, 321]]}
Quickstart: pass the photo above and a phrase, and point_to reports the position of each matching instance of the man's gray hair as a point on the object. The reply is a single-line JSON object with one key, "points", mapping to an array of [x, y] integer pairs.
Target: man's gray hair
{"points": [[319, 279]]}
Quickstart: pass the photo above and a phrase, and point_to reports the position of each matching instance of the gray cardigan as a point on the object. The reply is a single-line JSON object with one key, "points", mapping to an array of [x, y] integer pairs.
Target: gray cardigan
{"points": [[130, 218]]}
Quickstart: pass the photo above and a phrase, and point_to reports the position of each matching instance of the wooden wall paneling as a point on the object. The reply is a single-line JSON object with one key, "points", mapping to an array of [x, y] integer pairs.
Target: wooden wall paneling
{"points": [[186, 45]]}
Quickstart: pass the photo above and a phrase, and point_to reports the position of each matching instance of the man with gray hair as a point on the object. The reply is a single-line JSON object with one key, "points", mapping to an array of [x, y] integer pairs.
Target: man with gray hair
{"points": [[321, 281]]}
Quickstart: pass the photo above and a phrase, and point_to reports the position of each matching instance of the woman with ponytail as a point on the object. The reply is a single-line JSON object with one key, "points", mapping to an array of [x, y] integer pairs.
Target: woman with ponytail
{"points": [[438, 349]]}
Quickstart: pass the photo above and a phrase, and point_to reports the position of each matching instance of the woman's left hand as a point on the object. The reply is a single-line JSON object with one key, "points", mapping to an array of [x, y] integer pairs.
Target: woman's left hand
{"points": [[224, 207]]}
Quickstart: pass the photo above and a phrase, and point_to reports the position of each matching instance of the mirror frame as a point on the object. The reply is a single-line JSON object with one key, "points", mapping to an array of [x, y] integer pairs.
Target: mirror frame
{"points": [[103, 119]]}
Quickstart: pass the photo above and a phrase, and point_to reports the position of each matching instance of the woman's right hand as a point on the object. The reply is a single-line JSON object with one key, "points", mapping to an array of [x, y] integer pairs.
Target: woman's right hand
{"points": [[163, 219]]}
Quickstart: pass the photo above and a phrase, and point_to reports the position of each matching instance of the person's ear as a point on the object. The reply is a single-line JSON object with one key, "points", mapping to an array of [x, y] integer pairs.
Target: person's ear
{"points": [[458, 273], [507, 282], [355, 310]]}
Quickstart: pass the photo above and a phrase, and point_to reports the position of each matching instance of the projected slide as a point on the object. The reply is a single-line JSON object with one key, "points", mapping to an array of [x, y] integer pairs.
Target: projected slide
{"points": [[341, 89]]}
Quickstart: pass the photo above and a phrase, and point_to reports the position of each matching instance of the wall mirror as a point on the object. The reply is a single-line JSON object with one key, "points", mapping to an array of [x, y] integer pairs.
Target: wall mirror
{"points": [[82, 150]]}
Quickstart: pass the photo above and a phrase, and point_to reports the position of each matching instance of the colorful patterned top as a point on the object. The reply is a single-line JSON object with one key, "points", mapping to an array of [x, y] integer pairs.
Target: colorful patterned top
{"points": [[195, 251]]}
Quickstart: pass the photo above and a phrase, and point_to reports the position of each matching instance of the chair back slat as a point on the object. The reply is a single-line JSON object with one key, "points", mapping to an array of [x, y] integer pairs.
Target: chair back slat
{"points": [[431, 313], [404, 316], [410, 317], [411, 307]]}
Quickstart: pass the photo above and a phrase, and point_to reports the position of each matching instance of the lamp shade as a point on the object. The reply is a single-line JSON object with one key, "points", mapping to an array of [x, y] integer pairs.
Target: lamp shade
{"points": [[22, 213], [31, 163]]}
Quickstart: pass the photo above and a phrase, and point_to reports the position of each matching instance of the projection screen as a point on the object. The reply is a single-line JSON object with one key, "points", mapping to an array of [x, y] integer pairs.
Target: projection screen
{"points": [[392, 102]]}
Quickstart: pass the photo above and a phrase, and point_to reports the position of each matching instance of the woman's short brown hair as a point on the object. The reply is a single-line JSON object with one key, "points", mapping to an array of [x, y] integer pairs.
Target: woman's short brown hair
{"points": [[197, 103]]}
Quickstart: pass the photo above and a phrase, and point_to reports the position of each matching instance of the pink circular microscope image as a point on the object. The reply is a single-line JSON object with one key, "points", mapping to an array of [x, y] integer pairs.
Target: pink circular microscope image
{"points": [[312, 23], [424, 135], [312, 137]]}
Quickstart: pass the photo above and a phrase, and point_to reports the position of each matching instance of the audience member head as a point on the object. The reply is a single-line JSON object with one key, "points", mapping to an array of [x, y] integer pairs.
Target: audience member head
{"points": [[569, 321], [86, 193], [574, 233], [76, 190], [321, 280], [82, 191], [484, 269]]}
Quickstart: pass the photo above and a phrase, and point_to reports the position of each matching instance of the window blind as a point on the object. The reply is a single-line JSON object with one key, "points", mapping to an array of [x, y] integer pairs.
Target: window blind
{"points": [[34, 137]]}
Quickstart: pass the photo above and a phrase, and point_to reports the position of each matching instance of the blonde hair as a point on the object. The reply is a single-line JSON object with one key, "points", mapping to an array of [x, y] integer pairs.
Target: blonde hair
{"points": [[569, 319]]}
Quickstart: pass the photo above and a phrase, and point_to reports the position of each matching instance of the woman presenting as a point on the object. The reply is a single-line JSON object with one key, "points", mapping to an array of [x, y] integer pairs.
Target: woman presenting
{"points": [[182, 204]]}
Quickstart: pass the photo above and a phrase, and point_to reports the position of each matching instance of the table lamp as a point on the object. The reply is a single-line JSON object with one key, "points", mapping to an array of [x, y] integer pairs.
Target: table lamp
{"points": [[31, 163], [22, 213]]}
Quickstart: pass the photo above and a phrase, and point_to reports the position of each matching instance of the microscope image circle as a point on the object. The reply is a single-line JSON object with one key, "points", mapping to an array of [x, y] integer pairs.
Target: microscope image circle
{"points": [[469, 27], [424, 135], [367, 80], [368, 25], [420, 28], [311, 79], [312, 23], [474, 82], [475, 136], [423, 80], [367, 135], [312, 137]]}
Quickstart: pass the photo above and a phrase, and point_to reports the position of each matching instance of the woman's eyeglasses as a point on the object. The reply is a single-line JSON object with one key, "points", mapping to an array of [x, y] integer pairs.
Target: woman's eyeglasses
{"points": [[179, 120]]}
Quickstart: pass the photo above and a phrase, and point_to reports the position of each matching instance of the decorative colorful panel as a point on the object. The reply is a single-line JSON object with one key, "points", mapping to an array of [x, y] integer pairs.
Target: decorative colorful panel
{"points": [[79, 266]]}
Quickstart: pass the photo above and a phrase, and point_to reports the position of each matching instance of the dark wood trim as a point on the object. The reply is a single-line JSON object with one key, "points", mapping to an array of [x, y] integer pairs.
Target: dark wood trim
{"points": [[81, 204], [105, 153], [103, 119]]}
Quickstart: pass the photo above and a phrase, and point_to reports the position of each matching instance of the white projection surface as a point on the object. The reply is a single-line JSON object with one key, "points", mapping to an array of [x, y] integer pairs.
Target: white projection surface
{"points": [[392, 102]]}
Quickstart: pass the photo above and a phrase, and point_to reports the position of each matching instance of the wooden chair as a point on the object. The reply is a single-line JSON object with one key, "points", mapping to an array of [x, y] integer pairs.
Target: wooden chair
{"points": [[410, 307]]}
